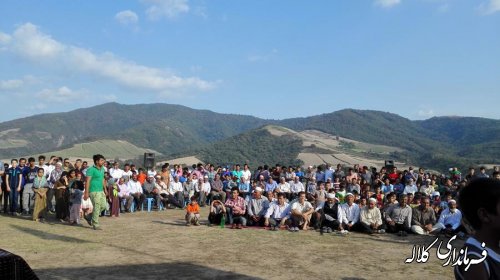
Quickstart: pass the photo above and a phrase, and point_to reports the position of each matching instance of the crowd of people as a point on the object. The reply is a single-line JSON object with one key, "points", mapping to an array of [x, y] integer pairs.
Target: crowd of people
{"points": [[326, 198]]}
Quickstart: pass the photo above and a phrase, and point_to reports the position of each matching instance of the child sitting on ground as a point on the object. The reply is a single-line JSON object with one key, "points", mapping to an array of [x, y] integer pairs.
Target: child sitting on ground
{"points": [[193, 212]]}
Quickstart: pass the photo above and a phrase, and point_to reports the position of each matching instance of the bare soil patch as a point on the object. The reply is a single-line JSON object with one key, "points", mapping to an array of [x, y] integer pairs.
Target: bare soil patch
{"points": [[157, 245]]}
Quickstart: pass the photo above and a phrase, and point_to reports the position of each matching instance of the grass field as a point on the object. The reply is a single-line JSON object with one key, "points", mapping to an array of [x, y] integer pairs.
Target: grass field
{"points": [[158, 245]]}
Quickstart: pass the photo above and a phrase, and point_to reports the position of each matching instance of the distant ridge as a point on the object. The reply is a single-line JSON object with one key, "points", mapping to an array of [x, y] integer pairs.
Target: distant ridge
{"points": [[438, 142]]}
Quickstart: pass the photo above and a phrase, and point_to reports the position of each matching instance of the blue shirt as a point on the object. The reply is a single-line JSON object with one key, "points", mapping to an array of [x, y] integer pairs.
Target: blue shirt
{"points": [[387, 188], [320, 176], [14, 177], [30, 174], [271, 186], [300, 174], [328, 175]]}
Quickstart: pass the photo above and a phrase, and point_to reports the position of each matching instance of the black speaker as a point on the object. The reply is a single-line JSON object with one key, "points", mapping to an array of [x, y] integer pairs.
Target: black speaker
{"points": [[149, 160]]}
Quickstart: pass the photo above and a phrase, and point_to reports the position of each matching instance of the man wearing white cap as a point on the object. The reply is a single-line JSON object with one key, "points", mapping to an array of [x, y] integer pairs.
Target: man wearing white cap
{"points": [[330, 212], [371, 219], [257, 208], [349, 214], [450, 219]]}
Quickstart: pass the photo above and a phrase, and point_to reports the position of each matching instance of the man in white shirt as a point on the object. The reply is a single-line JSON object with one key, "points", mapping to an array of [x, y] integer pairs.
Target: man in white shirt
{"points": [[410, 187], [371, 218], [450, 219], [177, 190], [115, 172], [247, 174], [296, 187], [349, 215], [124, 194], [278, 213], [301, 213], [136, 191], [204, 191]]}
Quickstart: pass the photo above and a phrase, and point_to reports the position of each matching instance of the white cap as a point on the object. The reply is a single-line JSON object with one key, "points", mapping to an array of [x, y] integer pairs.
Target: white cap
{"points": [[452, 201], [330, 195], [348, 194], [258, 189], [436, 194], [371, 199]]}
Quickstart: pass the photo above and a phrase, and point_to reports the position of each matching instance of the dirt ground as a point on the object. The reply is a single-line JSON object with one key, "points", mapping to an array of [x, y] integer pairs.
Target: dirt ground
{"points": [[157, 245]]}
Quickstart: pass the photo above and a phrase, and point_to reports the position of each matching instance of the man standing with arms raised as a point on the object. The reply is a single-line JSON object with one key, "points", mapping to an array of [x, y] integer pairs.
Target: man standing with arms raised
{"points": [[95, 188]]}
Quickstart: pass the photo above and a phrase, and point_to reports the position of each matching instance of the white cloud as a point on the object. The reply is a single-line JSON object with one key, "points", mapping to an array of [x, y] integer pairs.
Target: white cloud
{"points": [[262, 57], [165, 8], [62, 94], [29, 42], [16, 84], [426, 113], [4, 38], [11, 84], [37, 107], [127, 17], [109, 97], [490, 7], [387, 3]]}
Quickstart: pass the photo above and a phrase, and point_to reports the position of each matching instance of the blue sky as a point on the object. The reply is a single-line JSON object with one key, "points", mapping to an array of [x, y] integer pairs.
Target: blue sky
{"points": [[271, 59]]}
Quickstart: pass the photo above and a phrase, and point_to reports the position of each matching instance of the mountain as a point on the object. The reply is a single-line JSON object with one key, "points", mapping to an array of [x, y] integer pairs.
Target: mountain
{"points": [[178, 130], [163, 127], [276, 144]]}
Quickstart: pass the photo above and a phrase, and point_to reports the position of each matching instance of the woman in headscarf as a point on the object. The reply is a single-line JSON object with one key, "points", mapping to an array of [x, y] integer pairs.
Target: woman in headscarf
{"points": [[61, 191], [40, 187]]}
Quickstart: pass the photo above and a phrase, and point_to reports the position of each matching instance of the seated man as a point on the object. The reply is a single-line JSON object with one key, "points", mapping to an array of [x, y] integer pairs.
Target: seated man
{"points": [[398, 217], [450, 219], [236, 208], [151, 191], [257, 208], [296, 187], [301, 213], [423, 218], [136, 191], [410, 188], [330, 220], [217, 188], [193, 212], [217, 212], [177, 191], [124, 194], [349, 215], [271, 185], [278, 213], [204, 191], [371, 219]]}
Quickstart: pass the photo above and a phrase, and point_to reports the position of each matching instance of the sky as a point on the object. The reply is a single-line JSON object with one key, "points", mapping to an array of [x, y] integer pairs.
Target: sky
{"points": [[270, 59]]}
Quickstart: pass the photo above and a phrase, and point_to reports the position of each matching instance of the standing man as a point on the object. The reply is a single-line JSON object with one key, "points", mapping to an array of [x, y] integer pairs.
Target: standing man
{"points": [[13, 181], [95, 188], [29, 174], [2, 172]]}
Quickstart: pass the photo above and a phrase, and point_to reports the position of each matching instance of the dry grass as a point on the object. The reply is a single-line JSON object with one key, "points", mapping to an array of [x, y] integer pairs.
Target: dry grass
{"points": [[158, 245]]}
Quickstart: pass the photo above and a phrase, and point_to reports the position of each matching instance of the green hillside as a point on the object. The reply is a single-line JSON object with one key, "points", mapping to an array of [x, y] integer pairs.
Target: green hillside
{"points": [[256, 147], [163, 127], [172, 130]]}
